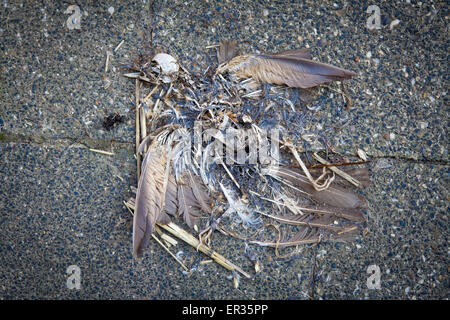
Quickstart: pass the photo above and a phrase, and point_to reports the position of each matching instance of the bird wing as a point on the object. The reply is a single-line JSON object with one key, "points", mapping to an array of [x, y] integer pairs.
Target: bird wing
{"points": [[290, 68]]}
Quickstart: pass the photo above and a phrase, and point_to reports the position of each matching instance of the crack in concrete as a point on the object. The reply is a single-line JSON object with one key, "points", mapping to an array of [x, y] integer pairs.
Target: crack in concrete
{"points": [[88, 142], [411, 160]]}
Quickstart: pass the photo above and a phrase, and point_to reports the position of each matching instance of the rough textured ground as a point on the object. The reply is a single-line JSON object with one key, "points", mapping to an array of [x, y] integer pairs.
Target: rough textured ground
{"points": [[61, 204]]}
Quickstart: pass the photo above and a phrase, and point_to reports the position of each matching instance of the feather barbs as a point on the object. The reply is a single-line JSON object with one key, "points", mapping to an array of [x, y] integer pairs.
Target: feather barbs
{"points": [[160, 193], [293, 68]]}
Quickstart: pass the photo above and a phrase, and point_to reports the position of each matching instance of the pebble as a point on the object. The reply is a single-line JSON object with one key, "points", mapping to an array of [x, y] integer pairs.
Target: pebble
{"points": [[423, 124], [362, 154], [394, 23]]}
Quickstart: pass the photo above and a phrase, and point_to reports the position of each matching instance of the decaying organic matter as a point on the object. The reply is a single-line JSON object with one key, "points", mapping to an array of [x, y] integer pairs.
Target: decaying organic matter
{"points": [[160, 193], [279, 201]]}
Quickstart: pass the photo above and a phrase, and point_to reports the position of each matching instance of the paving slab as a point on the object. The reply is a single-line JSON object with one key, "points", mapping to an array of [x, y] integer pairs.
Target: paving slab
{"points": [[62, 204]]}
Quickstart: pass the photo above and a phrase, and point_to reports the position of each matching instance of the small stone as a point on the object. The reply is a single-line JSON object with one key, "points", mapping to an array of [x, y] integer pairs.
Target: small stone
{"points": [[362, 154], [265, 12], [394, 23], [369, 54], [111, 10], [423, 124]]}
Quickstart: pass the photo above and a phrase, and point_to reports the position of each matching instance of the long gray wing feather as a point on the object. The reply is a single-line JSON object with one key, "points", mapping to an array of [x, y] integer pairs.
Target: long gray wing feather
{"points": [[149, 199]]}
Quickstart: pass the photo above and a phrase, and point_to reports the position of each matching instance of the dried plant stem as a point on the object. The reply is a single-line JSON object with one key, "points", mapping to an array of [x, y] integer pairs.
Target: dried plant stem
{"points": [[339, 172], [129, 207], [107, 62], [136, 75], [279, 244], [194, 242], [102, 152], [143, 125], [151, 93], [343, 93], [138, 134], [119, 45], [168, 240], [167, 249], [178, 232]]}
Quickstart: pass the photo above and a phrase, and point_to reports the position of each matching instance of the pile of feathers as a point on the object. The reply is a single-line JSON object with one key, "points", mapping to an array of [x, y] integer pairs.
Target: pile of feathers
{"points": [[286, 199]]}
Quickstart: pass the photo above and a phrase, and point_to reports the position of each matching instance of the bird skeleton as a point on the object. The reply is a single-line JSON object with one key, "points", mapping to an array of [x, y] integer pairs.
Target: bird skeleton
{"points": [[172, 183]]}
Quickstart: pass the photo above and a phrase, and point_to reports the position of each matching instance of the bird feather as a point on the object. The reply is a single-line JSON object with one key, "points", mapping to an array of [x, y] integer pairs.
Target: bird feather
{"points": [[333, 196], [293, 68], [150, 198]]}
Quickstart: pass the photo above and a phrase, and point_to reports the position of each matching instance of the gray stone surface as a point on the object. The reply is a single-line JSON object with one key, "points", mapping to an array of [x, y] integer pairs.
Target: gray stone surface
{"points": [[62, 205]]}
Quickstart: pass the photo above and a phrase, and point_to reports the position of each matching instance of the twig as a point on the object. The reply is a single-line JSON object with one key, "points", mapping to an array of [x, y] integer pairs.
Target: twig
{"points": [[143, 125], [102, 152], [194, 242], [138, 157], [107, 62], [167, 249], [119, 45]]}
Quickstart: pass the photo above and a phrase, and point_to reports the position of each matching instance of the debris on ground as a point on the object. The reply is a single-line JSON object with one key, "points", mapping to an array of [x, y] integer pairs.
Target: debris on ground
{"points": [[232, 151]]}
